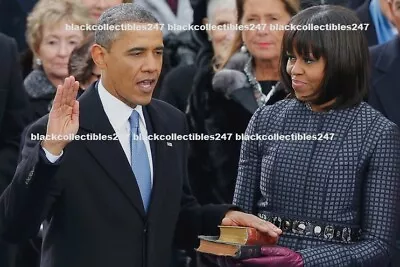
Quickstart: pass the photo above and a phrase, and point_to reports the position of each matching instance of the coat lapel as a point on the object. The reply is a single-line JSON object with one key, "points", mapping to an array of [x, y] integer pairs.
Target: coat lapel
{"points": [[160, 153], [109, 154]]}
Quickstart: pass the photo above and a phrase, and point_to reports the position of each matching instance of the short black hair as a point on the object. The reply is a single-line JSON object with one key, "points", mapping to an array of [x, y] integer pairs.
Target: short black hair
{"points": [[345, 52], [118, 15]]}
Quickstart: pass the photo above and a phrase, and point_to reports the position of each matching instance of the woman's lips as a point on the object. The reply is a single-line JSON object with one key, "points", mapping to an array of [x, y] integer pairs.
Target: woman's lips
{"points": [[264, 44], [298, 85]]}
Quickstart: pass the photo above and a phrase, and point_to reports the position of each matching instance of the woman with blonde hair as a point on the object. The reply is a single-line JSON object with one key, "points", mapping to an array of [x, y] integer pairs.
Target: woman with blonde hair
{"points": [[52, 41]]}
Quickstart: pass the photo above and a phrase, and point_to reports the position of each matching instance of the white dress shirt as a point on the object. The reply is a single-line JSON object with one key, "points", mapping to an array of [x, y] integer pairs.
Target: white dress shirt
{"points": [[118, 114]]}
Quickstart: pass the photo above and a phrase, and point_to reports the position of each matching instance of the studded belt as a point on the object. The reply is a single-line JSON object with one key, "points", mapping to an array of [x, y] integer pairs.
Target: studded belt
{"points": [[324, 231]]}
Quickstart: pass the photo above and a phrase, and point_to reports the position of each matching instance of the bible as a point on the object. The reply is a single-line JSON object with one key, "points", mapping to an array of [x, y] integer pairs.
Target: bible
{"points": [[211, 245], [234, 241]]}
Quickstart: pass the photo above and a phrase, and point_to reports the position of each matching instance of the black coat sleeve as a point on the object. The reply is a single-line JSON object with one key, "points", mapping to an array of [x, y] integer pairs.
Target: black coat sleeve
{"points": [[27, 201], [13, 110]]}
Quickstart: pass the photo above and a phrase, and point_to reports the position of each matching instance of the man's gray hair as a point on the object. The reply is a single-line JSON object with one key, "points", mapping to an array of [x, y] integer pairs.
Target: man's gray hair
{"points": [[119, 15]]}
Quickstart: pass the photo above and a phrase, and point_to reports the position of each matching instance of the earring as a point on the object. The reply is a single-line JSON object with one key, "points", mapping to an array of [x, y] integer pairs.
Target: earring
{"points": [[243, 49], [209, 37], [38, 61]]}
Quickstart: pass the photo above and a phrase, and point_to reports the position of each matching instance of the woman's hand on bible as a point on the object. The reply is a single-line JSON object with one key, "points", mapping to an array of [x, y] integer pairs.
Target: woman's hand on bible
{"points": [[237, 218]]}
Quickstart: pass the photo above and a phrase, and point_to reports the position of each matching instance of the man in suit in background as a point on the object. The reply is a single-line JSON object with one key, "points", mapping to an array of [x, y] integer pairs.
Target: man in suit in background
{"points": [[13, 107], [384, 94], [116, 202], [377, 15], [385, 60]]}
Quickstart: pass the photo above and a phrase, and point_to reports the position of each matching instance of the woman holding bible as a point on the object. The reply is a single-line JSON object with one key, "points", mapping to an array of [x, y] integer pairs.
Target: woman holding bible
{"points": [[335, 197]]}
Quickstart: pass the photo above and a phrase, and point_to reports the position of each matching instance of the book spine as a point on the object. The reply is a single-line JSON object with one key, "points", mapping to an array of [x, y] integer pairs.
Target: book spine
{"points": [[247, 252]]}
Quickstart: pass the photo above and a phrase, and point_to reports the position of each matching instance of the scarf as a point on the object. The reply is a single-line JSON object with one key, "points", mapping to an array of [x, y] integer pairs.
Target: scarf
{"points": [[38, 86]]}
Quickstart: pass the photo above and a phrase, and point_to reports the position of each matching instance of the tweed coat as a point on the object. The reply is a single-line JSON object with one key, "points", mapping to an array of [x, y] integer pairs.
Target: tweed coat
{"points": [[347, 173]]}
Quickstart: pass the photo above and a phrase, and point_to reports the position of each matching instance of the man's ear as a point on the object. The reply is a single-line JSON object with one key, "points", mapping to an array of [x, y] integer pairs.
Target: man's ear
{"points": [[99, 56], [390, 3], [386, 7]]}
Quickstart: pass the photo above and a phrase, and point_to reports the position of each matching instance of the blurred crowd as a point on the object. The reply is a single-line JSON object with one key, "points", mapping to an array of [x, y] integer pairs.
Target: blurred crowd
{"points": [[218, 78]]}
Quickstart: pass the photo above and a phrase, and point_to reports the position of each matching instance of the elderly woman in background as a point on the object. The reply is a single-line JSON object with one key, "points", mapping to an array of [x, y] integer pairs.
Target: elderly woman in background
{"points": [[94, 8], [224, 107], [81, 64], [52, 44], [221, 14]]}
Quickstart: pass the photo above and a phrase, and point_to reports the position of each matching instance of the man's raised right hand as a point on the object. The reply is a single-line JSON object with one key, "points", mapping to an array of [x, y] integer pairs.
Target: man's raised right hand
{"points": [[63, 116]]}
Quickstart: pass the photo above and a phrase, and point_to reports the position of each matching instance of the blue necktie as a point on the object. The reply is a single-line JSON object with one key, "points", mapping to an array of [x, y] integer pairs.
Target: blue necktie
{"points": [[139, 159]]}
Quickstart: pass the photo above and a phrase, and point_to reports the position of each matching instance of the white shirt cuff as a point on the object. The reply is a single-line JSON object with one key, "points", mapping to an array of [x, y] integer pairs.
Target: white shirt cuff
{"points": [[52, 158]]}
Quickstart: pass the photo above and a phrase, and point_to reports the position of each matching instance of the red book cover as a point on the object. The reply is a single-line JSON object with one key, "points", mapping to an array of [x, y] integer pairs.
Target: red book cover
{"points": [[254, 237]]}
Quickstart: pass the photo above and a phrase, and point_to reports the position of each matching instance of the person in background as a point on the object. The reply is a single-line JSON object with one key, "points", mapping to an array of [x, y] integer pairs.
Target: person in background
{"points": [[82, 66], [180, 45], [97, 7], [13, 16], [385, 61], [170, 13], [222, 103], [336, 193], [221, 14], [384, 94], [214, 45], [13, 118], [376, 14], [52, 44]]}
